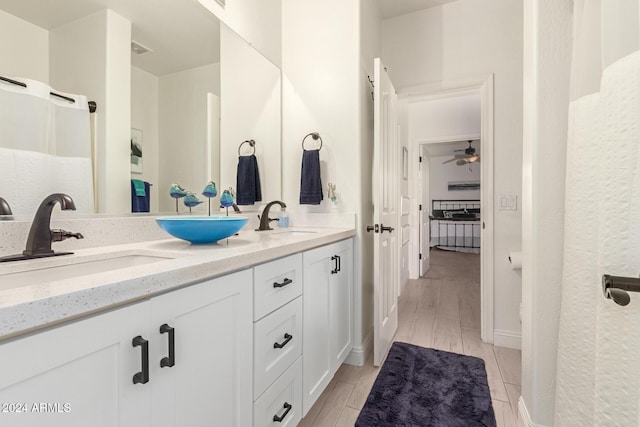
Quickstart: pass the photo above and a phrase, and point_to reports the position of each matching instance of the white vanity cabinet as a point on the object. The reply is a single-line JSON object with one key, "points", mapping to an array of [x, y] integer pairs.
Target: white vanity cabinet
{"points": [[83, 372], [328, 315], [255, 347], [210, 380], [277, 345]]}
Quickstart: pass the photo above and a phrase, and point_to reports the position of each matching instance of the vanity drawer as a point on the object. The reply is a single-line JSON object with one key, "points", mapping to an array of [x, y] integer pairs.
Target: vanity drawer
{"points": [[277, 343], [275, 284], [283, 397]]}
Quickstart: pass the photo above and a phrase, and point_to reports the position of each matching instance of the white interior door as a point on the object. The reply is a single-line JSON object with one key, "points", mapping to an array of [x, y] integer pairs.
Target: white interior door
{"points": [[425, 231], [385, 185]]}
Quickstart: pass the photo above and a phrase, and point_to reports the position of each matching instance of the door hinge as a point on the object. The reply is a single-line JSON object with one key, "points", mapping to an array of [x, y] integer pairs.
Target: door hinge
{"points": [[420, 256], [420, 159], [483, 227], [420, 207]]}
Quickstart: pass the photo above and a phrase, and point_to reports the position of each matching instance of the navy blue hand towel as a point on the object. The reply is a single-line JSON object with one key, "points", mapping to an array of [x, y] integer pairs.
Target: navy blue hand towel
{"points": [[310, 184], [248, 189]]}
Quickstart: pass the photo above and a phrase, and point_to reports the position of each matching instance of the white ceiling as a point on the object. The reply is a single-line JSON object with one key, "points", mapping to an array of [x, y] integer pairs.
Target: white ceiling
{"points": [[181, 34], [447, 148], [392, 8]]}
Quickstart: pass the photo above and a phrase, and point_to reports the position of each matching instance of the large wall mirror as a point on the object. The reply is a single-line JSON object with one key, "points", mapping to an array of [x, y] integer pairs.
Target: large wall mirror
{"points": [[170, 81]]}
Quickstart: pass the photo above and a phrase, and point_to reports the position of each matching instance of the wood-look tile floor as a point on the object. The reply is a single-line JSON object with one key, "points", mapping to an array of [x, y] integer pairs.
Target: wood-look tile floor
{"points": [[440, 310]]}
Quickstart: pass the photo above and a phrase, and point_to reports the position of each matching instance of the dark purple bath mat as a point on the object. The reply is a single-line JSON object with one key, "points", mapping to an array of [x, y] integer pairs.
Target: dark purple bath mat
{"points": [[419, 386]]}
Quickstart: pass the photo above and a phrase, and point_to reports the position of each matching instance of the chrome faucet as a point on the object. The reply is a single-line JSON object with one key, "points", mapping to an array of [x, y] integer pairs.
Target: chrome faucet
{"points": [[264, 219], [40, 236], [5, 209]]}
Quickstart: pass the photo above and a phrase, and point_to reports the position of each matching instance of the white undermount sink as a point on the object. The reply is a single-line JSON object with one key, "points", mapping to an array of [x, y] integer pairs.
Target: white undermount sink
{"points": [[65, 268]]}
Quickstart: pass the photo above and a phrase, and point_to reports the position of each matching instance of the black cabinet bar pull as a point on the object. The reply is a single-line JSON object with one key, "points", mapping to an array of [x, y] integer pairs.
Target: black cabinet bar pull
{"points": [[285, 282], [287, 338], [339, 262], [169, 361], [287, 407], [142, 377], [335, 259]]}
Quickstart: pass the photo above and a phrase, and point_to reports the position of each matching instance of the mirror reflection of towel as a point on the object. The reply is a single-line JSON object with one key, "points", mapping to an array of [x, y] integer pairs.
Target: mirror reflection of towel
{"points": [[139, 187], [140, 200], [310, 183], [248, 189]]}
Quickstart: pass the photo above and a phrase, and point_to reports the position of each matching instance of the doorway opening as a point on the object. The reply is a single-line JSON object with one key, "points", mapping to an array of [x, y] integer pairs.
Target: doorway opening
{"points": [[431, 118]]}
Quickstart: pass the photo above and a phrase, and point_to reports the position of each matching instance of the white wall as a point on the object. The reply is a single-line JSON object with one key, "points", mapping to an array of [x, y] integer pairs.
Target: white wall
{"points": [[183, 133], [259, 22], [547, 60], [17, 37], [250, 109], [445, 119], [144, 116], [92, 56], [441, 174], [323, 91], [453, 43]]}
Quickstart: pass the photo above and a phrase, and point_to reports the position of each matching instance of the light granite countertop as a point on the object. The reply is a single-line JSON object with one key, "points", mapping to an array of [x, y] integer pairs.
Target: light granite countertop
{"points": [[34, 306]]}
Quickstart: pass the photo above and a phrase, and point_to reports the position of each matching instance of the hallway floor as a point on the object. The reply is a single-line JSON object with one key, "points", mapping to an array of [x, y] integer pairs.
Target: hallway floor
{"points": [[440, 310]]}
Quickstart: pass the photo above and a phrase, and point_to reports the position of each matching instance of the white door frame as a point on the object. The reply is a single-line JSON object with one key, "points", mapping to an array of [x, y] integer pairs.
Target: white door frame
{"points": [[422, 173], [483, 86]]}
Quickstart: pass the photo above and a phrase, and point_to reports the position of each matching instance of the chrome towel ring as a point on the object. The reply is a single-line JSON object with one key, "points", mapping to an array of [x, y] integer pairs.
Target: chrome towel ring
{"points": [[315, 136], [251, 143]]}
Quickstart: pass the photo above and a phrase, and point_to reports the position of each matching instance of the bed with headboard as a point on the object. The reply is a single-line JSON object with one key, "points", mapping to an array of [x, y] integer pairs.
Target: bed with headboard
{"points": [[455, 225]]}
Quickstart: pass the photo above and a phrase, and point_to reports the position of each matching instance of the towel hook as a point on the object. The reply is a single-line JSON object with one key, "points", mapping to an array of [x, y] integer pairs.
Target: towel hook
{"points": [[315, 136], [251, 142]]}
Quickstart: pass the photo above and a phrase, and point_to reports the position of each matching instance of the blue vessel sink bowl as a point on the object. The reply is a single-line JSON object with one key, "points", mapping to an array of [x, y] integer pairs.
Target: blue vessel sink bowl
{"points": [[202, 229]]}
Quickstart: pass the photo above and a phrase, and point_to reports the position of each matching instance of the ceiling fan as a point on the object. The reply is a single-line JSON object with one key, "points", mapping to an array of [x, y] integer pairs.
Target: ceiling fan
{"points": [[469, 156]]}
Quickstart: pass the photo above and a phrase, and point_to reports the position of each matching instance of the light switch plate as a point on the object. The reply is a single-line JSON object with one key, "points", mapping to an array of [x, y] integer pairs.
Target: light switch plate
{"points": [[508, 202]]}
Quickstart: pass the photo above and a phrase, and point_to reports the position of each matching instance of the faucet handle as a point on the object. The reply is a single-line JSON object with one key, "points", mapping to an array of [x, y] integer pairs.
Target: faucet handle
{"points": [[60, 235], [269, 219]]}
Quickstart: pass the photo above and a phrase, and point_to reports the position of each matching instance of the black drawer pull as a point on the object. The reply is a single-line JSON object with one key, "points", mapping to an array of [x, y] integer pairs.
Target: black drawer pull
{"points": [[335, 258], [287, 338], [169, 361], [142, 377], [287, 408], [339, 263], [285, 282]]}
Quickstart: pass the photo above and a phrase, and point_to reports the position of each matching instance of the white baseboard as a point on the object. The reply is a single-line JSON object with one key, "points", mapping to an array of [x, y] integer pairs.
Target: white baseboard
{"points": [[359, 354], [523, 415], [507, 339]]}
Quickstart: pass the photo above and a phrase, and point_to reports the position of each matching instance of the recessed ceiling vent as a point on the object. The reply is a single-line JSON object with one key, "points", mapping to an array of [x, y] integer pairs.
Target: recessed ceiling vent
{"points": [[139, 49]]}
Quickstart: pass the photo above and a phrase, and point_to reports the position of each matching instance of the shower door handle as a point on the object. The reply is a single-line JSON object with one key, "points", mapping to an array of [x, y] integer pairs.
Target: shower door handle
{"points": [[616, 288]]}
